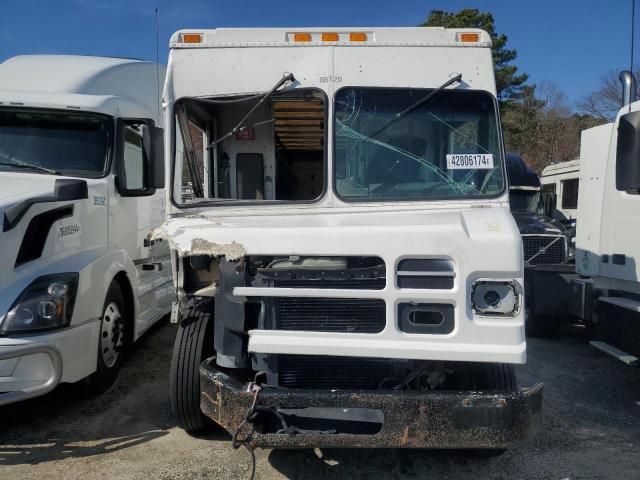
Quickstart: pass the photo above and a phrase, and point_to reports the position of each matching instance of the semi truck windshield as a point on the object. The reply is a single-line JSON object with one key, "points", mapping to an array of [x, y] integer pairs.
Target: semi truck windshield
{"points": [[448, 147], [49, 141]]}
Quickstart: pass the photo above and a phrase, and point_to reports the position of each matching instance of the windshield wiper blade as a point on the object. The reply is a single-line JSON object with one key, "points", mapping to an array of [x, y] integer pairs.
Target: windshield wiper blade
{"points": [[413, 106], [241, 124], [31, 166]]}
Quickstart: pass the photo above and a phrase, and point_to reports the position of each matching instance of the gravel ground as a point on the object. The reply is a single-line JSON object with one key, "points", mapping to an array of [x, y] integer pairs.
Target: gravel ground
{"points": [[591, 430]]}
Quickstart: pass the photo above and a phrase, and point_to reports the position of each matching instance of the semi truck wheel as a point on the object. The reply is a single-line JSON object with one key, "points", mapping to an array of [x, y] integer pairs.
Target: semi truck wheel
{"points": [[194, 343], [111, 341]]}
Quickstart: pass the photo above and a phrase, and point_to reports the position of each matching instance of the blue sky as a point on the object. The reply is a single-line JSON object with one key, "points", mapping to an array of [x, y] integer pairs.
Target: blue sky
{"points": [[569, 42]]}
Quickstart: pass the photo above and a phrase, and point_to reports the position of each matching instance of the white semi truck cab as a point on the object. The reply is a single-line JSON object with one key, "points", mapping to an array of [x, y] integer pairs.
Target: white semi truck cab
{"points": [[607, 296], [81, 187], [347, 269]]}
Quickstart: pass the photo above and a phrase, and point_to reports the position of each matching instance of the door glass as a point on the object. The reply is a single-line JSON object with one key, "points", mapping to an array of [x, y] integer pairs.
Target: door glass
{"points": [[133, 161]]}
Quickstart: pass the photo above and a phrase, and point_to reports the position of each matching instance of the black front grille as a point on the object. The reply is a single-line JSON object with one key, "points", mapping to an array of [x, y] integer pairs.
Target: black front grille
{"points": [[302, 371], [532, 245], [346, 315]]}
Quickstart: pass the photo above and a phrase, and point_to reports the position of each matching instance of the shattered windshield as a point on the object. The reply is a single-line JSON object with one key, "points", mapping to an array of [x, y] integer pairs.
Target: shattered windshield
{"points": [[447, 147]]}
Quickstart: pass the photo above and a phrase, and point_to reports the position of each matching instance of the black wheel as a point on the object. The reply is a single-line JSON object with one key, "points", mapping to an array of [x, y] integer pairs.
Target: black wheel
{"points": [[111, 342], [194, 343]]}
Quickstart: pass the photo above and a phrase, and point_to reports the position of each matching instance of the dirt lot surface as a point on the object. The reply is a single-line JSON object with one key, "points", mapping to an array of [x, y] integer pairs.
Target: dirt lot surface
{"points": [[591, 430]]}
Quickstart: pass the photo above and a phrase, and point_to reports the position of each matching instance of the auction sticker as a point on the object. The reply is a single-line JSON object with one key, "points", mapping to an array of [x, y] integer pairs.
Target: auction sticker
{"points": [[469, 160]]}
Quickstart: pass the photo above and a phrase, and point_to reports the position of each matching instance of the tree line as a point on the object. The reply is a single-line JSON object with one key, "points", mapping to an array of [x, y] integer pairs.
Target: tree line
{"points": [[538, 121]]}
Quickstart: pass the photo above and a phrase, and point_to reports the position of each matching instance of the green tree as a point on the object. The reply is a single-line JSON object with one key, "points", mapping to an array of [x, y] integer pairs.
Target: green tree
{"points": [[509, 83]]}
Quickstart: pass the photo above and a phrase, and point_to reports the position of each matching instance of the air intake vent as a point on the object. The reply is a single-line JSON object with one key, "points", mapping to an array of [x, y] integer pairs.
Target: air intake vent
{"points": [[435, 274], [346, 315]]}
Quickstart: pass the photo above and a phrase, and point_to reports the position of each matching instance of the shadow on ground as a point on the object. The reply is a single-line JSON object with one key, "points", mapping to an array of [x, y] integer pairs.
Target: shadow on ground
{"points": [[135, 410]]}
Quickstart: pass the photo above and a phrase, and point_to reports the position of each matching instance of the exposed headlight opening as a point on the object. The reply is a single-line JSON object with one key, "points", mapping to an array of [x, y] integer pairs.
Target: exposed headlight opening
{"points": [[495, 298], [46, 303]]}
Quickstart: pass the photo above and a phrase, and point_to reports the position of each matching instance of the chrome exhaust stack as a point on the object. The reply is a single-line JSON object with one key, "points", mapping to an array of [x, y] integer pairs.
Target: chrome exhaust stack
{"points": [[629, 87]]}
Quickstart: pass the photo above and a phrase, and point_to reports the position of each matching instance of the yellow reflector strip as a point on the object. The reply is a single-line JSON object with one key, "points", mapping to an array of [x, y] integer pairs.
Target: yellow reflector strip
{"points": [[191, 38], [469, 37], [357, 37], [330, 37], [301, 37]]}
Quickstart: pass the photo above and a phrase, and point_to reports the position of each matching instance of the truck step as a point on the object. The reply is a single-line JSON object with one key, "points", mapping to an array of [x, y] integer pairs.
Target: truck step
{"points": [[627, 303], [614, 352]]}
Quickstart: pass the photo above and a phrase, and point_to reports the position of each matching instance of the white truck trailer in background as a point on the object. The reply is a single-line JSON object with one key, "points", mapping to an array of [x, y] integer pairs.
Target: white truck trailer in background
{"points": [[79, 194], [346, 265]]}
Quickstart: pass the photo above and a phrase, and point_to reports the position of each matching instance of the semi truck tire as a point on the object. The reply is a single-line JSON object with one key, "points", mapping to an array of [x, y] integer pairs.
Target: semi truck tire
{"points": [[112, 341], [194, 343]]}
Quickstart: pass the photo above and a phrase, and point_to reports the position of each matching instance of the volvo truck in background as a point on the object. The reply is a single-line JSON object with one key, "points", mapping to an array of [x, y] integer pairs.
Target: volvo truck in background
{"points": [[347, 270], [547, 247], [607, 245], [81, 186]]}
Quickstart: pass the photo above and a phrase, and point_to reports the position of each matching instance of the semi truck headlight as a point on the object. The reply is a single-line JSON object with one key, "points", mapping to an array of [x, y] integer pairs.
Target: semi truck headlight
{"points": [[46, 303], [495, 298]]}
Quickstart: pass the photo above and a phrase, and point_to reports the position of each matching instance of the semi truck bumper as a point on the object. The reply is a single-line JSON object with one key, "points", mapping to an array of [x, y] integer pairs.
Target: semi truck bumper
{"points": [[370, 419], [41, 373], [32, 365]]}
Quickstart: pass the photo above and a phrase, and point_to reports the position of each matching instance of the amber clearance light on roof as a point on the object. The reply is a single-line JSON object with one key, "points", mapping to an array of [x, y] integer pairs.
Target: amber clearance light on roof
{"points": [[330, 37], [301, 37], [468, 37], [309, 37], [358, 37], [191, 37]]}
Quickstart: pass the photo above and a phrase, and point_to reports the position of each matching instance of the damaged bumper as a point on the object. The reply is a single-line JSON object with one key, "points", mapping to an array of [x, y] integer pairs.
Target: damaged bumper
{"points": [[408, 419]]}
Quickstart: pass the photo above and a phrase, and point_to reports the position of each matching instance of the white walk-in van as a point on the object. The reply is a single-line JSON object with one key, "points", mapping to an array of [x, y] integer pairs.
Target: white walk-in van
{"points": [[347, 269], [79, 194]]}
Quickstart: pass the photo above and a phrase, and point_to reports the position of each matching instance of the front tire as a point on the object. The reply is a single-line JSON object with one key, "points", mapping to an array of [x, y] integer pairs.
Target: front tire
{"points": [[111, 342], [194, 343]]}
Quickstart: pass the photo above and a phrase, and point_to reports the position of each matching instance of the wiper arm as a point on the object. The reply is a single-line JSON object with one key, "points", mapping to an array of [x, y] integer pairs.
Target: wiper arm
{"points": [[413, 106], [30, 167], [241, 124]]}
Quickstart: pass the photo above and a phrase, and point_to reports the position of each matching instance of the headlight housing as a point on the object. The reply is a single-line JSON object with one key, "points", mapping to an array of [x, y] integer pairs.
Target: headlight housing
{"points": [[45, 304], [495, 298]]}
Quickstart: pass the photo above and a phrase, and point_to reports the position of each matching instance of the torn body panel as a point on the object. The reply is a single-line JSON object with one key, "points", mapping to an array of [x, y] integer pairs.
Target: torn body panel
{"points": [[470, 242]]}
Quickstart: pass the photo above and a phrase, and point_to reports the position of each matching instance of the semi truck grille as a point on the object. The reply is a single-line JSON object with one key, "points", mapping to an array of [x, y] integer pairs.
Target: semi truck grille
{"points": [[533, 244], [302, 371], [346, 315]]}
